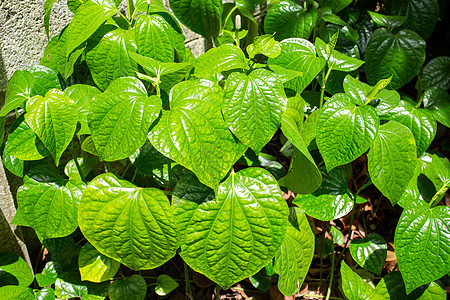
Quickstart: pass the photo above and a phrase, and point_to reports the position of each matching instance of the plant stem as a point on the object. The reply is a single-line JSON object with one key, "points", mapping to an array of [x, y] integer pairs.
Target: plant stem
{"points": [[324, 82], [218, 288], [37, 259], [331, 278], [351, 229], [226, 19], [419, 92], [188, 291], [134, 176], [72, 151], [110, 169]]}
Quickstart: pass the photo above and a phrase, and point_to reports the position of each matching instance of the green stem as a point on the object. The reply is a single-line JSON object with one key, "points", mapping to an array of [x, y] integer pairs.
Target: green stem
{"points": [[110, 169], [351, 224], [134, 176], [436, 197], [129, 9], [226, 19], [126, 170], [37, 260], [218, 289], [128, 21], [419, 92], [331, 278], [188, 291], [324, 82], [72, 151]]}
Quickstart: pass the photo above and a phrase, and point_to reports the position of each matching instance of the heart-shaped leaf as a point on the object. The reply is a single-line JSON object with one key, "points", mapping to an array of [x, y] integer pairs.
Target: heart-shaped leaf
{"points": [[165, 285], [223, 58], [94, 266], [370, 252], [336, 5], [335, 60], [45, 79], [18, 91], [69, 285], [437, 101], [132, 288], [436, 73], [354, 287], [16, 292], [129, 224], [14, 270], [49, 275]]}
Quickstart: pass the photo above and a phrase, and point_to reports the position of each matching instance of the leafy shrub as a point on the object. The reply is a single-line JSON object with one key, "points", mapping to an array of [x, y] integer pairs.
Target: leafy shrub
{"points": [[175, 154]]}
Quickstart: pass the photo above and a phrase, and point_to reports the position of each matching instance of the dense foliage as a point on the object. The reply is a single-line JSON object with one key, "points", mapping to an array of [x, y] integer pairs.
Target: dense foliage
{"points": [[137, 156]]}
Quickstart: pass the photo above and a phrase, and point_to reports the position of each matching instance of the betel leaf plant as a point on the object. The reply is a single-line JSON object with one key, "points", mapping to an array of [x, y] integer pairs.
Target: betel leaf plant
{"points": [[144, 166]]}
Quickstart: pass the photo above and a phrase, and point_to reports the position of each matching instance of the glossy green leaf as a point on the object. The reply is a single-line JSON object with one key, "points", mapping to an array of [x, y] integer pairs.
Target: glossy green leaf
{"points": [[193, 133], [263, 279], [399, 55], [18, 91], [45, 79], [299, 55], [354, 287], [266, 45], [49, 275], [54, 119], [235, 235], [94, 266], [356, 89], [438, 171], [421, 15], [200, 16], [88, 146], [387, 21], [392, 287], [166, 74], [345, 131], [45, 294], [165, 285], [335, 60], [69, 285], [87, 19], [23, 143], [110, 60], [421, 244], [147, 158], [223, 58], [129, 224], [132, 288], [253, 106], [14, 270], [309, 127], [337, 235], [14, 292], [82, 95], [392, 160], [336, 5], [49, 204], [119, 118], [370, 252], [295, 254], [436, 73], [437, 101], [331, 201], [288, 19]]}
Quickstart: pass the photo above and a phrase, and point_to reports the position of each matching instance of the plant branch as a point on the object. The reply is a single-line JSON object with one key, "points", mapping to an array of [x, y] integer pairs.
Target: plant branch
{"points": [[72, 151]]}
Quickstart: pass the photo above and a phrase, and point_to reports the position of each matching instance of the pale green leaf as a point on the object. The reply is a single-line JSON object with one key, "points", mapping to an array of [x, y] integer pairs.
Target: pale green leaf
{"points": [[18, 91], [266, 45], [223, 58], [94, 266], [336, 5], [45, 79], [49, 274], [387, 21]]}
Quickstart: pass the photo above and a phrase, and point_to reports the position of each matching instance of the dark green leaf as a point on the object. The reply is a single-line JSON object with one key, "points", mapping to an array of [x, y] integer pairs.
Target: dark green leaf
{"points": [[14, 270], [437, 101], [336, 5], [18, 91], [370, 252], [165, 285], [387, 21], [147, 158], [131, 288], [436, 73]]}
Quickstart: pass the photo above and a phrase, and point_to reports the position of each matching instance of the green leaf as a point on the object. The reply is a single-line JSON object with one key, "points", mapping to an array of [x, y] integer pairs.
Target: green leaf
{"points": [[165, 285], [253, 106], [421, 244], [54, 119], [421, 15], [387, 21], [14, 270], [129, 224], [287, 19], [263, 279], [438, 172], [94, 266], [345, 131], [2, 129], [336, 5], [356, 89], [49, 204], [49, 275], [87, 19], [309, 127], [392, 160], [110, 59], [437, 101], [119, 118], [45, 294], [299, 55], [88, 146], [48, 10], [295, 254], [13, 292], [337, 235], [147, 158], [200, 16], [336, 60], [216, 60], [45, 79], [193, 133], [82, 95], [331, 201], [370, 252], [399, 55], [69, 285], [436, 73], [392, 287], [132, 288], [23, 143], [165, 74], [235, 235], [18, 91], [354, 287], [266, 45]]}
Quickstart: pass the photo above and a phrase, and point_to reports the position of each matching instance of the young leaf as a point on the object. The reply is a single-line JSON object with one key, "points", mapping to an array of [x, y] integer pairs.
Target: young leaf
{"points": [[266, 45], [331, 201], [165, 285], [391, 173], [48, 10], [45, 79], [45, 294], [369, 252], [287, 19], [437, 101], [119, 118], [436, 73], [336, 5], [299, 55], [354, 287], [345, 131], [54, 119], [193, 133], [387, 21], [399, 55], [18, 91], [14, 270], [253, 106], [336, 60], [421, 244], [295, 254], [336, 234], [133, 288], [235, 235], [223, 58], [129, 224], [49, 275], [356, 89], [94, 266], [16, 292]]}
